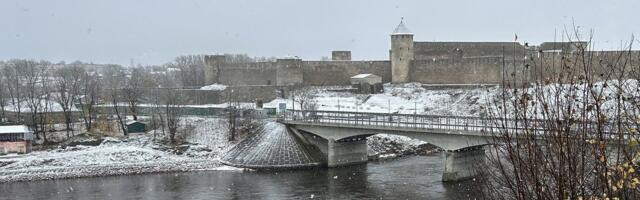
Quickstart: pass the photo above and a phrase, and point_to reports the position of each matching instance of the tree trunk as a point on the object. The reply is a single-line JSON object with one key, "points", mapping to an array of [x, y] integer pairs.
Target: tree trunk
{"points": [[115, 107]]}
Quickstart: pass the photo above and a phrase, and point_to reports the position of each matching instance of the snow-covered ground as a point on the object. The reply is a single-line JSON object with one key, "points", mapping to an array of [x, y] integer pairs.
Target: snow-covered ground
{"points": [[209, 139], [117, 156], [215, 86], [385, 146], [211, 132], [407, 98], [137, 154]]}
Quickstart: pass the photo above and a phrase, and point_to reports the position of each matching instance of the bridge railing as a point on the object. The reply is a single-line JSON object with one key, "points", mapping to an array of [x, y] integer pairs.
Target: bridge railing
{"points": [[415, 121]]}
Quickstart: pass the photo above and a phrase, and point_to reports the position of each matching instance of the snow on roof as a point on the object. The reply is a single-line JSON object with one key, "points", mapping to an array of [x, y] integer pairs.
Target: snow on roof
{"points": [[14, 129], [363, 76], [132, 122], [401, 29]]}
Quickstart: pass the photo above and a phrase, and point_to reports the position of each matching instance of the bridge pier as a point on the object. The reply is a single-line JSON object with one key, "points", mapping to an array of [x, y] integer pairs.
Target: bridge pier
{"points": [[341, 153], [334, 153], [463, 164]]}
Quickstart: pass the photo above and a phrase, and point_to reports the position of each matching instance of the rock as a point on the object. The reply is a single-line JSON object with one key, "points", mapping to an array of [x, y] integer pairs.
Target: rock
{"points": [[5, 163], [108, 140], [83, 140]]}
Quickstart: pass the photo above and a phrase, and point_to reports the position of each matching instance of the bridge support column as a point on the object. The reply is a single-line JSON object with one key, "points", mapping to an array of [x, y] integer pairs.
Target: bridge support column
{"points": [[463, 164], [341, 153]]}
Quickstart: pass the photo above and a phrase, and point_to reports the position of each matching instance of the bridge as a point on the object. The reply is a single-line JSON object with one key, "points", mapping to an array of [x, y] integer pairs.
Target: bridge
{"points": [[341, 136]]}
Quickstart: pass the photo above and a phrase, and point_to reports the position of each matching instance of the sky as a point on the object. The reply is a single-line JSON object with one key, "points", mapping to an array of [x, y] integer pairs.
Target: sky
{"points": [[153, 32]]}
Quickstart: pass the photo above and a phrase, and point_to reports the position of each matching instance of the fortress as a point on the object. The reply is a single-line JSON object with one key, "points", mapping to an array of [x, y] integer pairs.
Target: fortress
{"points": [[409, 61]]}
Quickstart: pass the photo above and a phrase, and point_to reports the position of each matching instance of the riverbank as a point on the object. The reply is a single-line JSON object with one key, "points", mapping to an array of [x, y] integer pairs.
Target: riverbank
{"points": [[137, 154], [385, 147], [86, 156]]}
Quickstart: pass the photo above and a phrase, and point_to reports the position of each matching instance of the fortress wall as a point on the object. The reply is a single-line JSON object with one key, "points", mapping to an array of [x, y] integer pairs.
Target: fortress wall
{"points": [[600, 66], [441, 50], [256, 73], [461, 71], [250, 93], [289, 72], [320, 73]]}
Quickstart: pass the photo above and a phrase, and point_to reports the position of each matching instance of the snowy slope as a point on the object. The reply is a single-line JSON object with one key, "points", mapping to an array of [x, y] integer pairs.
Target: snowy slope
{"points": [[407, 98]]}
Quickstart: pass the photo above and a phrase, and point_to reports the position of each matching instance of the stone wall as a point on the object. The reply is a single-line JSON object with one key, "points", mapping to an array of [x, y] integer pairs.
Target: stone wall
{"points": [[443, 50], [434, 63], [319, 73], [289, 72], [461, 71], [251, 93], [341, 55], [549, 65], [256, 73]]}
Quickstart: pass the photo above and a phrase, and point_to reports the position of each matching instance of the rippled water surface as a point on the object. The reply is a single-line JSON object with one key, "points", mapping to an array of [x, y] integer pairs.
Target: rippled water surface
{"points": [[416, 177]]}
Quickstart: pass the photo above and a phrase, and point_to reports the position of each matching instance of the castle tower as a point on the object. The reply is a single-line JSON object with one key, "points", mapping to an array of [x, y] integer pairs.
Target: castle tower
{"points": [[212, 65], [401, 54]]}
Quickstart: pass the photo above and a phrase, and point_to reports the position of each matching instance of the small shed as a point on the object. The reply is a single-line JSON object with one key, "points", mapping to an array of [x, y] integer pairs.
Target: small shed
{"points": [[15, 139], [367, 83], [136, 127]]}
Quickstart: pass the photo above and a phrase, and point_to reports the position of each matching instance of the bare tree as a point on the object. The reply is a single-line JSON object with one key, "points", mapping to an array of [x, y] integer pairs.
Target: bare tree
{"points": [[11, 73], [33, 74], [305, 97], [232, 121], [114, 78], [172, 111], [568, 131], [89, 94], [3, 97], [67, 85], [168, 108], [191, 69], [132, 90]]}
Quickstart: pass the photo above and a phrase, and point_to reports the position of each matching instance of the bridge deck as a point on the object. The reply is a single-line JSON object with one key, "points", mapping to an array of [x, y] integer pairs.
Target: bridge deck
{"points": [[444, 124]]}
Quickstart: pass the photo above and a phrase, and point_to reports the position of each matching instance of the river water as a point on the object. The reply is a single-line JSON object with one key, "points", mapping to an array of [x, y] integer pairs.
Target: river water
{"points": [[414, 177]]}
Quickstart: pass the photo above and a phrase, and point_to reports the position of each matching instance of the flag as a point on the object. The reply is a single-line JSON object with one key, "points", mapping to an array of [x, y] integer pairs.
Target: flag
{"points": [[516, 37]]}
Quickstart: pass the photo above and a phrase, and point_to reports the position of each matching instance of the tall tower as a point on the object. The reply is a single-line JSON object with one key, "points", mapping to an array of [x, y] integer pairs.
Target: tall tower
{"points": [[401, 54], [212, 65]]}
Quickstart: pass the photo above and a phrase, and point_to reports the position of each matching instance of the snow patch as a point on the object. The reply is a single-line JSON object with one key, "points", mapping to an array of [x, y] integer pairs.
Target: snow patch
{"points": [[215, 86]]}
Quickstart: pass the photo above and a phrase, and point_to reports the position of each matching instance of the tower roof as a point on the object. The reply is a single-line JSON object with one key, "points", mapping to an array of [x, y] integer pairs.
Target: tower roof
{"points": [[401, 29]]}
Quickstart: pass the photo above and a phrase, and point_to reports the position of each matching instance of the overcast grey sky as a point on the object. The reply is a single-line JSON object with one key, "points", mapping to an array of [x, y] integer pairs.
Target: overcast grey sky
{"points": [[155, 31]]}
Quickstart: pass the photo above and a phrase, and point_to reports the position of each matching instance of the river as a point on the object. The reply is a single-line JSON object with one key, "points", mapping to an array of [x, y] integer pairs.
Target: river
{"points": [[413, 177]]}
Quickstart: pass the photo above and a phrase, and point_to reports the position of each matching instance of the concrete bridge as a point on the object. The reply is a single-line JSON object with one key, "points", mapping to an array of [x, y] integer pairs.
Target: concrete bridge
{"points": [[341, 136]]}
